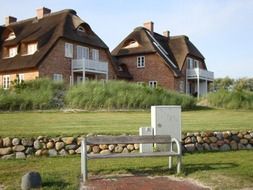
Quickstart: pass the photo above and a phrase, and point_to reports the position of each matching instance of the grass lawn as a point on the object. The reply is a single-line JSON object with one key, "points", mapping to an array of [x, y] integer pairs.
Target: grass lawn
{"points": [[59, 123], [229, 170]]}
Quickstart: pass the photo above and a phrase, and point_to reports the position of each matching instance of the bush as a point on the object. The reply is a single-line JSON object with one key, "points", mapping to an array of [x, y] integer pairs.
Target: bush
{"points": [[122, 95], [37, 94], [236, 99]]}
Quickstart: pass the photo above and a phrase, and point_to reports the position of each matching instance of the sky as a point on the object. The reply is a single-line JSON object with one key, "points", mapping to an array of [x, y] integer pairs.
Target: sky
{"points": [[221, 29]]}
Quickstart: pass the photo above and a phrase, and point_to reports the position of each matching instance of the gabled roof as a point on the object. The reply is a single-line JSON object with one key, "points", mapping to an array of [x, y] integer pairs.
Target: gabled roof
{"points": [[181, 47], [46, 31], [148, 43], [172, 49]]}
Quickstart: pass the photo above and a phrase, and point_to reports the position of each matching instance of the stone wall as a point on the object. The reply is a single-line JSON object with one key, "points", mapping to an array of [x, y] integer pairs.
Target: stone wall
{"points": [[63, 146]]}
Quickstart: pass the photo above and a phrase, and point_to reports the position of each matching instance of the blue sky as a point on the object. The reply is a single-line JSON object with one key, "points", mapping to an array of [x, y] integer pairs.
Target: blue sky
{"points": [[221, 29]]}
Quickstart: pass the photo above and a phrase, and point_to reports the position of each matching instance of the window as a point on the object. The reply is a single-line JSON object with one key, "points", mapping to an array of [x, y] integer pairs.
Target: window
{"points": [[57, 77], [131, 44], [11, 36], [31, 48], [95, 54], [80, 29], [196, 64], [6, 81], [140, 62], [153, 84], [140, 83], [181, 86], [20, 77], [13, 51], [189, 63], [68, 50], [82, 52]]}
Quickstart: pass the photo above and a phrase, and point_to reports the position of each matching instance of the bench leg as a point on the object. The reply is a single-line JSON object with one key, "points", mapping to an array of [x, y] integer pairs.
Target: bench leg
{"points": [[84, 171], [170, 162], [179, 161]]}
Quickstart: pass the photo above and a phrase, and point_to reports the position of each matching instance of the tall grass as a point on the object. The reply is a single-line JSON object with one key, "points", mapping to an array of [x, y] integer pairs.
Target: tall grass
{"points": [[236, 99], [122, 95], [37, 94]]}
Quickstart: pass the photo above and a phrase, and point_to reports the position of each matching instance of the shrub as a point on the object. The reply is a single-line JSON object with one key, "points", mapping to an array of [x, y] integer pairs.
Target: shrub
{"points": [[236, 99], [37, 94], [122, 95]]}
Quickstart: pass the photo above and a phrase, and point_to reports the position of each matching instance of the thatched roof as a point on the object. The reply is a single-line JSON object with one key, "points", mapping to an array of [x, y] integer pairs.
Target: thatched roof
{"points": [[46, 31], [172, 49]]}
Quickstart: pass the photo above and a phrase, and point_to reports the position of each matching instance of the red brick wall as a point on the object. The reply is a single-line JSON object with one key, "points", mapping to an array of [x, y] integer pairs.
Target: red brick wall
{"points": [[155, 70], [28, 75], [56, 62]]}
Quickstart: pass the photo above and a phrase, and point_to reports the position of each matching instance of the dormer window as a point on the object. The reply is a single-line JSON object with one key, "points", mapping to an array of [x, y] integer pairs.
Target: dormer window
{"points": [[131, 44], [31, 48], [11, 36], [80, 29], [13, 51]]}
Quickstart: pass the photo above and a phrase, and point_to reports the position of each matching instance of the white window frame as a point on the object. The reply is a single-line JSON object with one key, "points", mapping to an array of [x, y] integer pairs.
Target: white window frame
{"points": [[82, 52], [140, 61], [80, 29], [190, 64], [6, 81], [32, 48], [68, 50], [95, 54], [152, 83], [57, 77], [181, 86], [21, 77], [13, 51], [196, 63]]}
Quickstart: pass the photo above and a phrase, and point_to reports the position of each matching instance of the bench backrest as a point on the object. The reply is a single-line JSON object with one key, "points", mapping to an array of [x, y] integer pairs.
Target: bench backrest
{"points": [[159, 139]]}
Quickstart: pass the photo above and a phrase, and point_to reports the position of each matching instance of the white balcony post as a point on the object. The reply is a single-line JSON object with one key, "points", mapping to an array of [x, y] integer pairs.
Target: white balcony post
{"points": [[206, 87], [198, 82], [72, 73], [83, 70]]}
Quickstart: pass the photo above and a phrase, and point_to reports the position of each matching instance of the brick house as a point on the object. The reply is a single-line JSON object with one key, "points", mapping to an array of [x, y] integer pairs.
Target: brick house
{"points": [[56, 45], [172, 62]]}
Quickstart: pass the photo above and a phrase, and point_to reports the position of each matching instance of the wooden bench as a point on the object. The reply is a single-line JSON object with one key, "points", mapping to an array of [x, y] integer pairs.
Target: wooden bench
{"points": [[161, 139]]}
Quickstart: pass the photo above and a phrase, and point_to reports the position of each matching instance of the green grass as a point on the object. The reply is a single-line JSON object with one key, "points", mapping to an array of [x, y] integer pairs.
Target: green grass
{"points": [[95, 95], [235, 99], [226, 170], [33, 124]]}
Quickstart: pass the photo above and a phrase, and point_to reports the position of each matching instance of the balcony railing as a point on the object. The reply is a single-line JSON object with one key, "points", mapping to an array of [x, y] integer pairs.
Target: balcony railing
{"points": [[89, 65], [199, 73]]}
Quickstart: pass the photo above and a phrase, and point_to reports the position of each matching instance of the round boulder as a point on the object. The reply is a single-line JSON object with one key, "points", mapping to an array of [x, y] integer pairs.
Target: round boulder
{"points": [[15, 141], [68, 140], [27, 142], [18, 148], [31, 180], [59, 145], [7, 142]]}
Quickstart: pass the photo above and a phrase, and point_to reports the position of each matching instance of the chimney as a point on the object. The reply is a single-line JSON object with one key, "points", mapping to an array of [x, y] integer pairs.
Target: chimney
{"points": [[149, 25], [166, 34], [9, 20], [41, 12]]}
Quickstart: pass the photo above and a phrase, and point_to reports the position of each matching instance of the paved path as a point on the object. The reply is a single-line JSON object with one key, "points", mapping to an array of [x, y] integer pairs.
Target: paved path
{"points": [[140, 183]]}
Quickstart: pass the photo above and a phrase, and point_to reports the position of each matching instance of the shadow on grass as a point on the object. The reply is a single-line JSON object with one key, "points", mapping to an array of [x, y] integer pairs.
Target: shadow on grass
{"points": [[201, 108], [162, 170], [192, 168], [55, 184]]}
